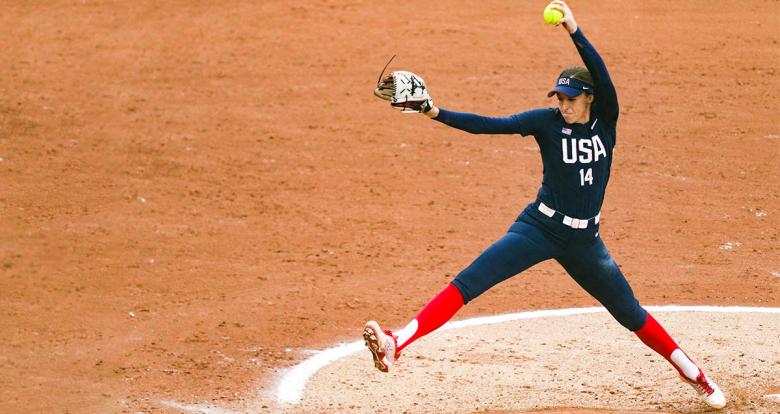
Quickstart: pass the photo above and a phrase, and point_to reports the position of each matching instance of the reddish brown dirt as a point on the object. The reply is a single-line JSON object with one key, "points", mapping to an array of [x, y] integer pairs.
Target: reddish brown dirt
{"points": [[188, 190]]}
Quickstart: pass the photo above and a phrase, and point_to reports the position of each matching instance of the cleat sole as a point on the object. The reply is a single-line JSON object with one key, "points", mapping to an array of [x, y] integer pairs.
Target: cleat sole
{"points": [[372, 343]]}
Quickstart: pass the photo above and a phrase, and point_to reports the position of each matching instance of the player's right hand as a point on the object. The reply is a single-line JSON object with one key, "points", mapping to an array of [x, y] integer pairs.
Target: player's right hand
{"points": [[568, 17]]}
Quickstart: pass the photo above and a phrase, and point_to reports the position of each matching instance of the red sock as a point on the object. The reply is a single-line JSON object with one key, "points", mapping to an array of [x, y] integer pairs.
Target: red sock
{"points": [[438, 311], [656, 337]]}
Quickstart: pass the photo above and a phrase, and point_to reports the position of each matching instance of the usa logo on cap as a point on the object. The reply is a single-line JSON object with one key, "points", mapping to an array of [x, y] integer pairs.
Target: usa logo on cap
{"points": [[570, 87]]}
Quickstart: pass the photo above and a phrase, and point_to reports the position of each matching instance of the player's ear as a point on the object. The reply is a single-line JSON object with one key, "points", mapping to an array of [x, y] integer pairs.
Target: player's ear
{"points": [[589, 98]]}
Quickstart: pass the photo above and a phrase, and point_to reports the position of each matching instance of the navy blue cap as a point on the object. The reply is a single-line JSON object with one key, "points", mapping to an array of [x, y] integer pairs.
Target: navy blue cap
{"points": [[571, 87]]}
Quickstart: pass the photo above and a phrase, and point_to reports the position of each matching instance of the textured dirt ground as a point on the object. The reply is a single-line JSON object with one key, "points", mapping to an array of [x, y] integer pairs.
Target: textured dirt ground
{"points": [[191, 192], [573, 361]]}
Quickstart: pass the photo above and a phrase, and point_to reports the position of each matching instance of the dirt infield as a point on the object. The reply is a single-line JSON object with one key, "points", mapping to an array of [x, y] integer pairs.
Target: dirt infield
{"points": [[194, 194], [538, 362]]}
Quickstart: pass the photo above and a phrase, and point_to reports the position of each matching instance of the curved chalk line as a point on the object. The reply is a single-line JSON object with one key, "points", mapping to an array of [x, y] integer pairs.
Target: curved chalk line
{"points": [[294, 381]]}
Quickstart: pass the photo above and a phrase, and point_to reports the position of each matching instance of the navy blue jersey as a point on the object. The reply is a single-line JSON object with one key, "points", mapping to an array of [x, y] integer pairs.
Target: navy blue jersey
{"points": [[576, 157]]}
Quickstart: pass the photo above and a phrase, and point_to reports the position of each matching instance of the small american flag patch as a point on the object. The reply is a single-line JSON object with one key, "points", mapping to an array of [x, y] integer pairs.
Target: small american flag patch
{"points": [[566, 131]]}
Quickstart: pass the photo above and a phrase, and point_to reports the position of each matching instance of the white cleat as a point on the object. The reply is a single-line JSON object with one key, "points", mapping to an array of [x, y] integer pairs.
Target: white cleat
{"points": [[381, 344], [708, 390]]}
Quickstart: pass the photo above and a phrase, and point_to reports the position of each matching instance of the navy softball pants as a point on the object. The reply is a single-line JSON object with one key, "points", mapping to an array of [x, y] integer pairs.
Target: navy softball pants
{"points": [[534, 238]]}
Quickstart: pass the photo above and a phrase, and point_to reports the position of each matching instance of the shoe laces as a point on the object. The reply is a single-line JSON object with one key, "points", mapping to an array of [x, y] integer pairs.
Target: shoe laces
{"points": [[391, 348], [702, 385]]}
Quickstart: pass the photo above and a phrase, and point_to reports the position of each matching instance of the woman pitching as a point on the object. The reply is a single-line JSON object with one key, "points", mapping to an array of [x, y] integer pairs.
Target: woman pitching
{"points": [[576, 140]]}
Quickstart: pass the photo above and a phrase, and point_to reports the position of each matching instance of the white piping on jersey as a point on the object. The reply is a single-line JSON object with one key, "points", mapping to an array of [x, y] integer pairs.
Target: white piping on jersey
{"points": [[594, 123]]}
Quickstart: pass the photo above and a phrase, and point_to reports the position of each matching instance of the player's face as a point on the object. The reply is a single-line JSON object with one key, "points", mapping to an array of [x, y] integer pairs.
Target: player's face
{"points": [[575, 110]]}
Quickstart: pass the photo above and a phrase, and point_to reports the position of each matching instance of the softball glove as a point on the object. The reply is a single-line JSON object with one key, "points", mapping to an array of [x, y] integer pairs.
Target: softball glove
{"points": [[406, 91]]}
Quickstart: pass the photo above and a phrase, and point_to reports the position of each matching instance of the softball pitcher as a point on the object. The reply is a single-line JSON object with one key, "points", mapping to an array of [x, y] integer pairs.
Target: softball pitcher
{"points": [[576, 140]]}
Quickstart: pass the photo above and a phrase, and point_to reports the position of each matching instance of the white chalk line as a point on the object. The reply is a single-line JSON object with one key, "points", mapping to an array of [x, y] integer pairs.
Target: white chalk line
{"points": [[294, 380]]}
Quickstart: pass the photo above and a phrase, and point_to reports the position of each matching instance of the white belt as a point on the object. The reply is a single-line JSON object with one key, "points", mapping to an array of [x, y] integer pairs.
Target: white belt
{"points": [[574, 223]]}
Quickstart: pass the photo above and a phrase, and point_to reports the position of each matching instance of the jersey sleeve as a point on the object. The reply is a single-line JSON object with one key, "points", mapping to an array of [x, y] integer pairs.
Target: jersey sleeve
{"points": [[606, 101], [524, 123]]}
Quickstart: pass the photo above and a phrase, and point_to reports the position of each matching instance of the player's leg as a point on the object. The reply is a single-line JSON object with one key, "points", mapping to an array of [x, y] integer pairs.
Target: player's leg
{"points": [[386, 346], [516, 251], [522, 247], [592, 267]]}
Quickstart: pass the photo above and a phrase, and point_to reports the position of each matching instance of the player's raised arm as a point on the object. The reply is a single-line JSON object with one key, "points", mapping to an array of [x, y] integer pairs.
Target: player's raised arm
{"points": [[604, 91]]}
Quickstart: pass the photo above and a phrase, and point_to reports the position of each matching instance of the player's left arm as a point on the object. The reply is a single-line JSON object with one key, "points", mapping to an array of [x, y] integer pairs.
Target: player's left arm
{"points": [[603, 88], [524, 123]]}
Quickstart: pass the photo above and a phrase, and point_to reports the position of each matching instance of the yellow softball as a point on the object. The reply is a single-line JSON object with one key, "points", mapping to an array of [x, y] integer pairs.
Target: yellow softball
{"points": [[552, 16]]}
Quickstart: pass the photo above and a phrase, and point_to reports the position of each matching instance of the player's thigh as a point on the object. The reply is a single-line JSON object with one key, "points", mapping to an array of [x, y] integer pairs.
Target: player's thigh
{"points": [[593, 268], [519, 249]]}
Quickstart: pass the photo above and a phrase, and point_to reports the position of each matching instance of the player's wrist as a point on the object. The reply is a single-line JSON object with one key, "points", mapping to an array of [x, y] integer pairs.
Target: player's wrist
{"points": [[570, 24]]}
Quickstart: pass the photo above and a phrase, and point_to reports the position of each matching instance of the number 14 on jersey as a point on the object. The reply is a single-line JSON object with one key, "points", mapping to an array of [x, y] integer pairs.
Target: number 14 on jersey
{"points": [[586, 176]]}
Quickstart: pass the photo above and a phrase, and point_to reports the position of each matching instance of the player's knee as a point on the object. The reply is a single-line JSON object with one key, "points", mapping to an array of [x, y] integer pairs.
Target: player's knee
{"points": [[631, 316]]}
